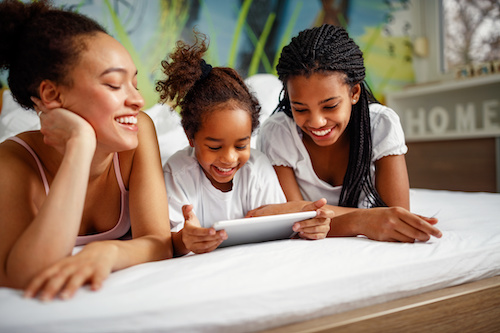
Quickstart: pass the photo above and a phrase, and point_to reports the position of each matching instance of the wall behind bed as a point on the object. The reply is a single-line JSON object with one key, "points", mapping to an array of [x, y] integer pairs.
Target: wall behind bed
{"points": [[451, 114], [399, 39], [248, 34]]}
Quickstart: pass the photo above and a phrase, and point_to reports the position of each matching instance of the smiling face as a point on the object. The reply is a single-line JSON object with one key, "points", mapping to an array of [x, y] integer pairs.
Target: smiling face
{"points": [[222, 145], [104, 92], [321, 105]]}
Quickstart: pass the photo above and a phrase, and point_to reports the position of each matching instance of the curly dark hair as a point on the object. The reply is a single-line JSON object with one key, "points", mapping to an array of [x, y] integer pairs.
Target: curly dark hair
{"points": [[40, 42], [199, 89], [327, 49]]}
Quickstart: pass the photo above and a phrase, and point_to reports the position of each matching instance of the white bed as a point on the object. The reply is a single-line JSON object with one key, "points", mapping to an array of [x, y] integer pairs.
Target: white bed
{"points": [[341, 284], [263, 286]]}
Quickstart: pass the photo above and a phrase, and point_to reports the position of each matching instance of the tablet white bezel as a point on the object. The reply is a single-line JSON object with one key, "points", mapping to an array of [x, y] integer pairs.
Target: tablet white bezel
{"points": [[260, 229]]}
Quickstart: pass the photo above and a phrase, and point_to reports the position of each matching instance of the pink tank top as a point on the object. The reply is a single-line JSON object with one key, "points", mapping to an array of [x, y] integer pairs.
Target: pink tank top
{"points": [[123, 225]]}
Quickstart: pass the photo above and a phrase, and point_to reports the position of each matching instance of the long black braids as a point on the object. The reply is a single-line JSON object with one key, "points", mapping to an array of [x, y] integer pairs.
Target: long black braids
{"points": [[321, 50]]}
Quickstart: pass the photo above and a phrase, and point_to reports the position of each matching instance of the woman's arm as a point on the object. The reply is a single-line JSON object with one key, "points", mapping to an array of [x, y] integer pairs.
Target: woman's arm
{"points": [[315, 228], [149, 221], [384, 224], [290, 187], [391, 181], [395, 223], [288, 182], [37, 233], [148, 202]]}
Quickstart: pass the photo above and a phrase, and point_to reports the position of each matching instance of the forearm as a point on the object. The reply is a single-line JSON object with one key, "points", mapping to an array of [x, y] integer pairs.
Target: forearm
{"points": [[344, 225], [345, 221], [51, 235], [391, 181], [138, 250]]}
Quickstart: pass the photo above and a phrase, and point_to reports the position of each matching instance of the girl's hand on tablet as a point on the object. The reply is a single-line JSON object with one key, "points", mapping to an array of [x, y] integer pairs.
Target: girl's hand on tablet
{"points": [[317, 227], [196, 238]]}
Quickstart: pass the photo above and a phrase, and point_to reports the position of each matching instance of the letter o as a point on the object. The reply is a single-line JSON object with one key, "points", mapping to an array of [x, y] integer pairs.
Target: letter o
{"points": [[438, 120]]}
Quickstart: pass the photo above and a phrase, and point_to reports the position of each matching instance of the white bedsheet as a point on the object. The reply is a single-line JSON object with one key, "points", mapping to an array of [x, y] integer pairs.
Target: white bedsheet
{"points": [[259, 286]]}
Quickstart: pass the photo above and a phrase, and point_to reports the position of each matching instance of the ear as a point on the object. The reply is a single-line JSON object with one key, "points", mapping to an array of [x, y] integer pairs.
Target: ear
{"points": [[355, 93], [50, 94]]}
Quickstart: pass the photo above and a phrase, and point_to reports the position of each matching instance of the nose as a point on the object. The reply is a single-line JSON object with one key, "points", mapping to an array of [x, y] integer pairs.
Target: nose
{"points": [[229, 156], [135, 99], [316, 120]]}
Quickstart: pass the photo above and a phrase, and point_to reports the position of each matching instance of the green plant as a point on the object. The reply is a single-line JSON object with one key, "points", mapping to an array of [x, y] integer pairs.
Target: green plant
{"points": [[237, 32], [259, 54], [173, 17]]}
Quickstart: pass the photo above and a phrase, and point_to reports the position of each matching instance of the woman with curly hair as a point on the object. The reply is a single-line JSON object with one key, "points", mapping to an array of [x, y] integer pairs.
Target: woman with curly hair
{"points": [[93, 171]]}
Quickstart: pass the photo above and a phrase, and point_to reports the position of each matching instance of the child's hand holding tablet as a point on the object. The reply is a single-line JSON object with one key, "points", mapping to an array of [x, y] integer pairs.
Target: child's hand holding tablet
{"points": [[260, 229], [196, 238], [313, 222]]}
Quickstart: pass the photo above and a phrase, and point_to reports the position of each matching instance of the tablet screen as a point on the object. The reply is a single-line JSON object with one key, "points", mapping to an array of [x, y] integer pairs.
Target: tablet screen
{"points": [[260, 229]]}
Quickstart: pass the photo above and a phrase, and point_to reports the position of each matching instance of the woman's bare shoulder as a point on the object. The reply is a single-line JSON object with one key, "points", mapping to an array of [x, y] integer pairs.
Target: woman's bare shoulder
{"points": [[16, 162]]}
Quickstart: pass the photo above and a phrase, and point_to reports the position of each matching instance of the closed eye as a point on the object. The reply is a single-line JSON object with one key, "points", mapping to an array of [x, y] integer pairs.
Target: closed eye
{"points": [[214, 148], [242, 147], [113, 87], [331, 107], [299, 110]]}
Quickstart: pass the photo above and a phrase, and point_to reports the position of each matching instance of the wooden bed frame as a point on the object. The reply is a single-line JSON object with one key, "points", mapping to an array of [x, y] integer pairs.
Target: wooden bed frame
{"points": [[470, 307], [469, 165]]}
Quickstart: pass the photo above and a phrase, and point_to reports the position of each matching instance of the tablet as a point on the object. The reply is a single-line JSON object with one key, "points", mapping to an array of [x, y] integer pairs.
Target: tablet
{"points": [[260, 229]]}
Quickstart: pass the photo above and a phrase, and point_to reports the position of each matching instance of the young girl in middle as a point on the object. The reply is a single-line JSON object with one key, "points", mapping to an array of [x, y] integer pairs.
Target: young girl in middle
{"points": [[218, 176]]}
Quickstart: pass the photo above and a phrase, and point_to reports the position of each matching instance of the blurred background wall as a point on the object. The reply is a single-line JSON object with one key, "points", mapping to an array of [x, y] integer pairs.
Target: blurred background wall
{"points": [[248, 34], [435, 62]]}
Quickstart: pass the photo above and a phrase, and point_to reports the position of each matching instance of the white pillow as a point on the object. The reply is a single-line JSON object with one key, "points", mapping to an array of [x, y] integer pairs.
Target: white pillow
{"points": [[266, 88], [14, 119], [171, 136]]}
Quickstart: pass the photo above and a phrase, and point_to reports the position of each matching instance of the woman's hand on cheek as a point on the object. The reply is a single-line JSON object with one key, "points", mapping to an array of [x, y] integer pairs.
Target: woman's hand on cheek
{"points": [[60, 126], [90, 266], [196, 238]]}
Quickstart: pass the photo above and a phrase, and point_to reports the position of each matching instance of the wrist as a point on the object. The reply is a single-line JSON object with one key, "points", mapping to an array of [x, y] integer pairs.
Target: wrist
{"points": [[346, 225], [81, 147], [180, 248], [83, 141]]}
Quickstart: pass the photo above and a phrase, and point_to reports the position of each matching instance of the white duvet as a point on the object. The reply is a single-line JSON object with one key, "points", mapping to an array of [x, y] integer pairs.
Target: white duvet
{"points": [[260, 286]]}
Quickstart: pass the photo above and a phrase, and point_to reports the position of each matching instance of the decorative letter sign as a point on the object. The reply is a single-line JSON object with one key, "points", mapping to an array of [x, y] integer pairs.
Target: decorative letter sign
{"points": [[467, 108]]}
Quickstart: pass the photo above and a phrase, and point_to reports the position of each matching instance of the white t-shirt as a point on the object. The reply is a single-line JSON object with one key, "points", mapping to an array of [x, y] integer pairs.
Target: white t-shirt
{"points": [[254, 185], [281, 140]]}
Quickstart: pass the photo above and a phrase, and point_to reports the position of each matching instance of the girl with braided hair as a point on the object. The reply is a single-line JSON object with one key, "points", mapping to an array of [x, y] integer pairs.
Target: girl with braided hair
{"points": [[331, 138], [218, 176], [91, 174]]}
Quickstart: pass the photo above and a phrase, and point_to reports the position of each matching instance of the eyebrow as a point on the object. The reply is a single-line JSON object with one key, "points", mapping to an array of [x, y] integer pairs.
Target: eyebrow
{"points": [[116, 69], [208, 138], [321, 102]]}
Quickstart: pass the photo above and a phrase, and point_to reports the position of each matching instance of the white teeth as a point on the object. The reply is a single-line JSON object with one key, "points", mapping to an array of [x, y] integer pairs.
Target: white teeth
{"points": [[131, 120], [321, 133], [223, 169]]}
